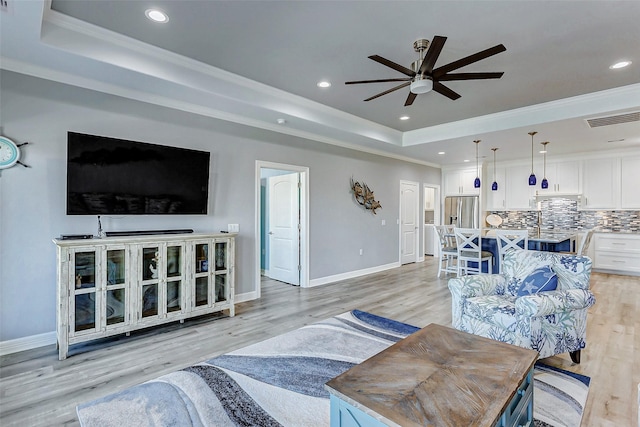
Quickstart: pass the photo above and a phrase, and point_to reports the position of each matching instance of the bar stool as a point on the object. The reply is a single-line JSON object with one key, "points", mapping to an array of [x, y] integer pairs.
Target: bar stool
{"points": [[448, 251], [469, 244], [510, 239]]}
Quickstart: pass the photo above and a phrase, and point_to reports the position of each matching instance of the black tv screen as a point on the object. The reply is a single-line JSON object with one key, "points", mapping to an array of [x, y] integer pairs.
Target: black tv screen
{"points": [[115, 176]]}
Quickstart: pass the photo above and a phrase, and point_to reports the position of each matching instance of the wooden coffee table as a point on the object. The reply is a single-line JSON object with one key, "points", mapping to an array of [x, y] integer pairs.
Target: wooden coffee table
{"points": [[437, 376]]}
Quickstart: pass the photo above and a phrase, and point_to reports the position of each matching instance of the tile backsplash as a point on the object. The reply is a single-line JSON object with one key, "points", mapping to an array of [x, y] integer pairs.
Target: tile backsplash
{"points": [[563, 214]]}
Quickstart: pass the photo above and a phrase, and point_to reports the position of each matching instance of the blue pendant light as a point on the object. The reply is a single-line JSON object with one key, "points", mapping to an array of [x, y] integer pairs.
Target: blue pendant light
{"points": [[494, 186], [532, 177], [544, 184], [476, 182]]}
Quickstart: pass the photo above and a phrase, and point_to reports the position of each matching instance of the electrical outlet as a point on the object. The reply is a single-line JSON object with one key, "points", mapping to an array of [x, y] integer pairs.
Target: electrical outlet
{"points": [[384, 222], [360, 251], [233, 228]]}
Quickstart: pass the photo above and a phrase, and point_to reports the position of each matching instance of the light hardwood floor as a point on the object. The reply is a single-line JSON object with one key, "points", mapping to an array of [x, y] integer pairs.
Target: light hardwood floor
{"points": [[37, 389]]}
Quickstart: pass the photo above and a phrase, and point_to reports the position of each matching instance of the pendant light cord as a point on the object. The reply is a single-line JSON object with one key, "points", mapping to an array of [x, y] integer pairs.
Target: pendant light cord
{"points": [[532, 133]]}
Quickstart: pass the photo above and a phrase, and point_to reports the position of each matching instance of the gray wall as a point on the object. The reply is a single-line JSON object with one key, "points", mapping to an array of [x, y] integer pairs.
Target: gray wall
{"points": [[32, 201]]}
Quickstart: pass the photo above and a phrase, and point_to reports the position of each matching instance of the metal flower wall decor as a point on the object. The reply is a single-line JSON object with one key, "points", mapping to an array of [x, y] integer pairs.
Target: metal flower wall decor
{"points": [[364, 196]]}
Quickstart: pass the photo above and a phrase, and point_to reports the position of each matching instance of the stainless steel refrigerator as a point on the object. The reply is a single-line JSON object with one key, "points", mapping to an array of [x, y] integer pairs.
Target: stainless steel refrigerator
{"points": [[463, 211]]}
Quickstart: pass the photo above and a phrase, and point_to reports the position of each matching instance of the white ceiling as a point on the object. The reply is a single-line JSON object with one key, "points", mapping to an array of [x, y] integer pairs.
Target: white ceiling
{"points": [[253, 62]]}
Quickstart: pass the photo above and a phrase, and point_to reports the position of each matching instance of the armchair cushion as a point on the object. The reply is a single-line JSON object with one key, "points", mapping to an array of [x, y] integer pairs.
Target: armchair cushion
{"points": [[555, 302], [539, 280]]}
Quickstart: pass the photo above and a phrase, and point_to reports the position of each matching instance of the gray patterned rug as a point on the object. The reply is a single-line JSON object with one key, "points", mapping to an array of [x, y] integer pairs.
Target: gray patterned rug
{"points": [[280, 382]]}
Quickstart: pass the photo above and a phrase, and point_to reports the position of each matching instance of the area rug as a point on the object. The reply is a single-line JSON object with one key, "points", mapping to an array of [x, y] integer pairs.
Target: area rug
{"points": [[280, 382]]}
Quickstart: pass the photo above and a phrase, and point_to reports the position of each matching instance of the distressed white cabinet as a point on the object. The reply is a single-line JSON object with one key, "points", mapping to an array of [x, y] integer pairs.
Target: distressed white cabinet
{"points": [[563, 178], [115, 285], [617, 252], [460, 181]]}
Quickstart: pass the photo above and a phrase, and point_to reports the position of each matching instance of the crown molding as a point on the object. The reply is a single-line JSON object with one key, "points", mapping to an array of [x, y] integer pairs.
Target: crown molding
{"points": [[588, 105]]}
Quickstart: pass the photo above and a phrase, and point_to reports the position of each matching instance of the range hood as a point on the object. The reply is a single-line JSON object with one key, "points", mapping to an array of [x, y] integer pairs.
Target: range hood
{"points": [[570, 196], [567, 196]]}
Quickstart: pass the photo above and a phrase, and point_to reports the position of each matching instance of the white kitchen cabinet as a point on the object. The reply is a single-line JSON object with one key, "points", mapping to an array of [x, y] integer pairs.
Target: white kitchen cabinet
{"points": [[617, 252], [460, 181], [601, 187], [563, 178], [115, 285], [495, 200], [630, 183], [518, 192]]}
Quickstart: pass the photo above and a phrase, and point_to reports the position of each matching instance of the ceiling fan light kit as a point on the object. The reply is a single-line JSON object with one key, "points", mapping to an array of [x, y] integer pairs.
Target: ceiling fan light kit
{"points": [[422, 77], [532, 177], [421, 86]]}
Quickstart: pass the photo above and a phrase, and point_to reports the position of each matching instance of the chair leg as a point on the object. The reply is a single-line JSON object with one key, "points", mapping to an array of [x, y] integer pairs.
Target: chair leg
{"points": [[575, 356]]}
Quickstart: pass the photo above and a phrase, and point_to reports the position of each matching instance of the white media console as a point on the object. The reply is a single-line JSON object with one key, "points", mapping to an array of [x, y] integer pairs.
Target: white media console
{"points": [[115, 285]]}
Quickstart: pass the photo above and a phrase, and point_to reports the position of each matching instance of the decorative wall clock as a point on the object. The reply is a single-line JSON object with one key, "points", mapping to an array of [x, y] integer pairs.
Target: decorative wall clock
{"points": [[10, 153]]}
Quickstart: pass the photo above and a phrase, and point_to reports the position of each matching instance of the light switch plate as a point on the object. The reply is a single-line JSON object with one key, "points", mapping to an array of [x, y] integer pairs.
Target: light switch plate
{"points": [[233, 228]]}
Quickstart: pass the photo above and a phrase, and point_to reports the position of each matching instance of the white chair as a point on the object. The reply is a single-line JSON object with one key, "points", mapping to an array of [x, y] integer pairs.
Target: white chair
{"points": [[469, 245], [585, 240], [583, 244], [448, 251], [510, 239]]}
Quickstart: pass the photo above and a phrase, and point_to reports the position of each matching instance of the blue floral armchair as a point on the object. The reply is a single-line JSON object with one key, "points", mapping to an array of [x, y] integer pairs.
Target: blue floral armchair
{"points": [[550, 322]]}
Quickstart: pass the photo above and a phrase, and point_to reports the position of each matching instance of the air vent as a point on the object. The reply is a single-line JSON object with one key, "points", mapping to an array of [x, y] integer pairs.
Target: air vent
{"points": [[614, 120]]}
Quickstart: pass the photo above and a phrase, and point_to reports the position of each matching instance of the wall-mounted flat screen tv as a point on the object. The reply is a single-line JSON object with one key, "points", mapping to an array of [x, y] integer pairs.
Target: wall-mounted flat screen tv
{"points": [[115, 176]]}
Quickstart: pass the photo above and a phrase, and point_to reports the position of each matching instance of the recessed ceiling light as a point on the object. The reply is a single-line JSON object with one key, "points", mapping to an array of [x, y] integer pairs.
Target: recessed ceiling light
{"points": [[281, 121], [441, 152], [542, 151], [620, 64], [405, 118], [157, 15], [324, 84], [467, 160]]}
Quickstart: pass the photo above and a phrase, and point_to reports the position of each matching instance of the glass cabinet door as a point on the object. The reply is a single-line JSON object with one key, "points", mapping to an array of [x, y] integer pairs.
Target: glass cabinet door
{"points": [[174, 278], [85, 295], [116, 280], [211, 273], [221, 256], [202, 280], [221, 287], [150, 281]]}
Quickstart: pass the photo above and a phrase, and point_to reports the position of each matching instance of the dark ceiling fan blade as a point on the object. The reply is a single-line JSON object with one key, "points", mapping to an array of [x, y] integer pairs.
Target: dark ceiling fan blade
{"points": [[432, 55], [391, 64], [410, 99], [401, 79], [440, 71], [389, 91], [443, 90], [470, 76]]}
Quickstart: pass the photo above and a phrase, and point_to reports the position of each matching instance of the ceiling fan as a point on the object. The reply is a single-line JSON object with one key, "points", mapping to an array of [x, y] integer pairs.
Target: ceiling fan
{"points": [[423, 78]]}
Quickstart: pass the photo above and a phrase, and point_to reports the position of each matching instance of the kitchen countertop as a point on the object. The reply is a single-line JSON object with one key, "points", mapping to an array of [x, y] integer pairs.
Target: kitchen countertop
{"points": [[543, 237]]}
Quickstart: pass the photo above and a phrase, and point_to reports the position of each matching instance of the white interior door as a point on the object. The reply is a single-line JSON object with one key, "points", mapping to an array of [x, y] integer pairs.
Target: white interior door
{"points": [[283, 228], [409, 221]]}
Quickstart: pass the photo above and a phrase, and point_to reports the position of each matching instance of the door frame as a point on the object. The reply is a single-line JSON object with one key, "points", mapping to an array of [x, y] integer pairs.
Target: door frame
{"points": [[437, 210], [304, 220]]}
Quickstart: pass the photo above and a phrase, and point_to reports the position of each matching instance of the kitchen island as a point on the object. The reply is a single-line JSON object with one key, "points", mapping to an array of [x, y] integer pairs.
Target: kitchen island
{"points": [[551, 241]]}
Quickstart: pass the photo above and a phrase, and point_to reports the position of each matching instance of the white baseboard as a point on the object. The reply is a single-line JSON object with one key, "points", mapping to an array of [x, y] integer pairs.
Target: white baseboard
{"points": [[27, 343], [247, 296], [352, 274]]}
